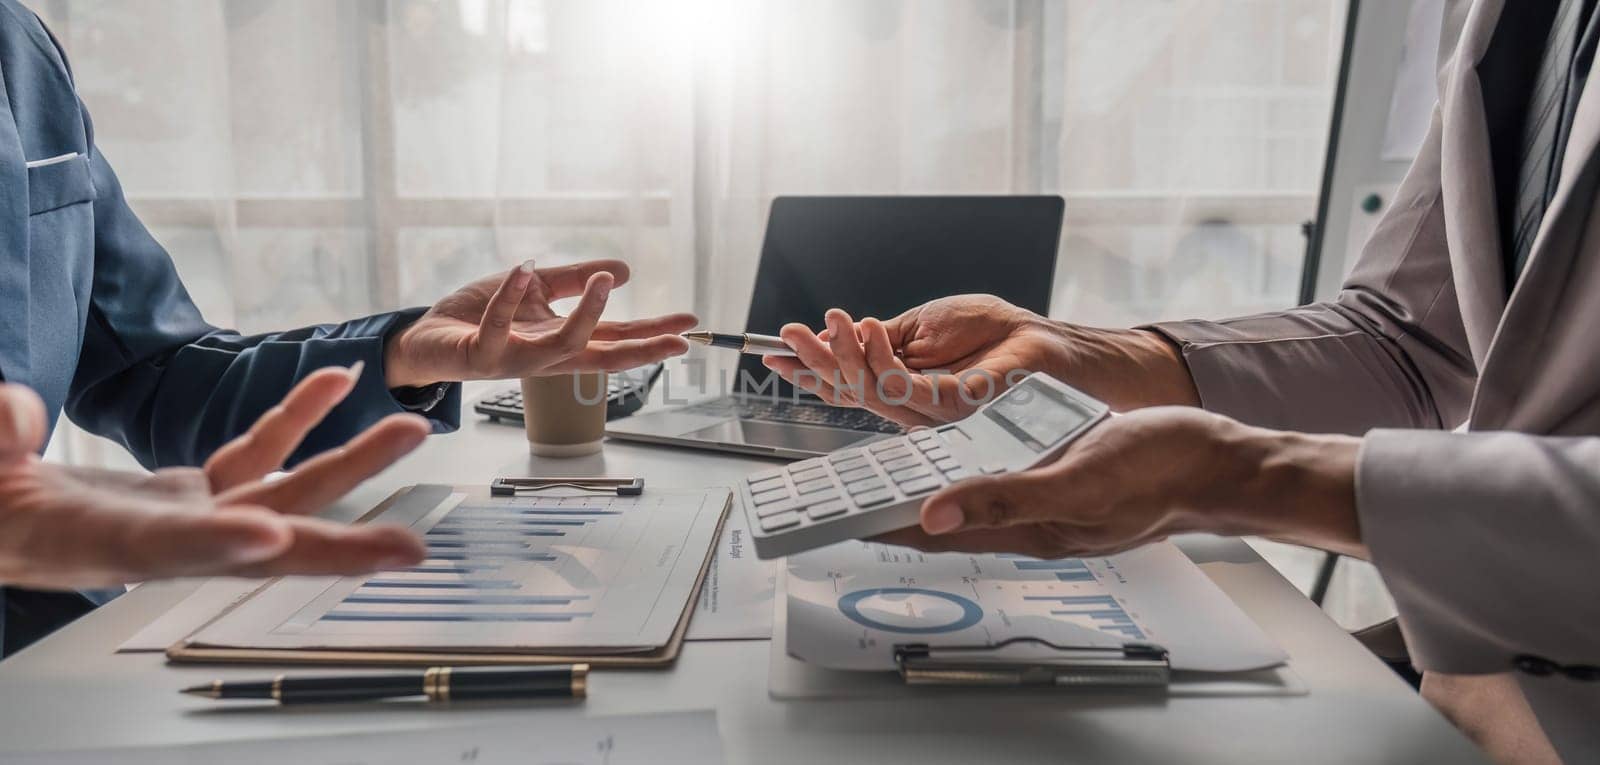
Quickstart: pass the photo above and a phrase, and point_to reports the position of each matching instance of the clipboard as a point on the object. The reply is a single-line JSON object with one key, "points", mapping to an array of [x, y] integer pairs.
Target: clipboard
{"points": [[1032, 661], [186, 651]]}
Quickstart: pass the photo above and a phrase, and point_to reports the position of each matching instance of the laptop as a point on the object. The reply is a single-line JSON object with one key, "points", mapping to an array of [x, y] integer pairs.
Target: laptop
{"points": [[871, 256]]}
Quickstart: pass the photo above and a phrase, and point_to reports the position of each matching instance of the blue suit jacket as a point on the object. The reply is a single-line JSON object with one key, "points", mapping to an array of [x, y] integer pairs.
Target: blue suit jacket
{"points": [[94, 316]]}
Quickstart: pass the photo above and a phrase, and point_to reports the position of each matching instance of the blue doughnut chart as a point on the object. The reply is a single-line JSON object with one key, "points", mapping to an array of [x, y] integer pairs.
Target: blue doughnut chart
{"points": [[850, 606]]}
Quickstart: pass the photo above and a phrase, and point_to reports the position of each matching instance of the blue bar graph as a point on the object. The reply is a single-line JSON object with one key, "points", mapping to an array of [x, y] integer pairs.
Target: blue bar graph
{"points": [[460, 544], [1078, 600], [1076, 576], [449, 522], [437, 616], [479, 554], [435, 584], [478, 513], [491, 532], [1072, 564], [1102, 612], [1109, 615], [448, 568], [459, 600]]}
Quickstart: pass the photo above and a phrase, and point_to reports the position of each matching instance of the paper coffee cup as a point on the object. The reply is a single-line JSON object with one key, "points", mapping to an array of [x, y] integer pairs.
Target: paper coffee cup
{"points": [[565, 415]]}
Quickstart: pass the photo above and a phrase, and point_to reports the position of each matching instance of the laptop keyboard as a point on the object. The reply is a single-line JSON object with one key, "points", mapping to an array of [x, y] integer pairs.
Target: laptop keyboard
{"points": [[801, 413]]}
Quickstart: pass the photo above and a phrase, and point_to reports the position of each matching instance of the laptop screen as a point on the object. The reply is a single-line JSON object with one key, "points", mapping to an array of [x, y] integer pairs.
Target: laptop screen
{"points": [[879, 256]]}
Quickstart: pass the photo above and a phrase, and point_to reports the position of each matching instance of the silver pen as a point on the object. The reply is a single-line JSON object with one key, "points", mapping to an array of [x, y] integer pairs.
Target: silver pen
{"points": [[743, 342]]}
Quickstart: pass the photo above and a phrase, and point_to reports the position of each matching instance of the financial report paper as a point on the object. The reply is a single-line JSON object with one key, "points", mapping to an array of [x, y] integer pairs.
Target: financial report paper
{"points": [[851, 603], [735, 602], [596, 573]]}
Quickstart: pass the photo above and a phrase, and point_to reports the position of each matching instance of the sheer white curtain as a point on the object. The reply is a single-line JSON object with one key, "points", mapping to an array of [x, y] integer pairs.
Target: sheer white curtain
{"points": [[307, 160], [310, 160]]}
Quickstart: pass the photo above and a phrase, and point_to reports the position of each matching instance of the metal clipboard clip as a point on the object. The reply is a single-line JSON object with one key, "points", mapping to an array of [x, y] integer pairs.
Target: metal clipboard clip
{"points": [[622, 487], [1035, 662]]}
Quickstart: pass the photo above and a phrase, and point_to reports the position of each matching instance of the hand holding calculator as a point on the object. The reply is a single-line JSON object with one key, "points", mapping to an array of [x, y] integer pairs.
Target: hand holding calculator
{"points": [[864, 491]]}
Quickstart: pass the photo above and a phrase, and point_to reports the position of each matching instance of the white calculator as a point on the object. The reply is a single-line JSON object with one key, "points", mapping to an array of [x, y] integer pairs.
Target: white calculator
{"points": [[863, 491]]}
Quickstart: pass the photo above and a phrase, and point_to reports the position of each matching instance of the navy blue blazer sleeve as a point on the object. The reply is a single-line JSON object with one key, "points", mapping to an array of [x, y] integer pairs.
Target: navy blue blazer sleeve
{"points": [[155, 377]]}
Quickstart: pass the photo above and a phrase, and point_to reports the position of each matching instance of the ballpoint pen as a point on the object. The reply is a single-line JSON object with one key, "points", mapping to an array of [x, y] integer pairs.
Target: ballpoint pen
{"points": [[436, 683], [744, 342]]}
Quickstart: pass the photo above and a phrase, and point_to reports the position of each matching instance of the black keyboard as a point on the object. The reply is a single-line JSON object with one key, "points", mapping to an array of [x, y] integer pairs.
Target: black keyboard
{"points": [[625, 394], [798, 412]]}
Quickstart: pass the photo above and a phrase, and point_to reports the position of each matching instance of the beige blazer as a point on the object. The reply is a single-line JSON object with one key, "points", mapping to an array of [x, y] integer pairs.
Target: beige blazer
{"points": [[1488, 539]]}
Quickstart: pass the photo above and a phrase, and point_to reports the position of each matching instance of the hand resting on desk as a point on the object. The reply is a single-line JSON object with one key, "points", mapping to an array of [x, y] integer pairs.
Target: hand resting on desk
{"points": [[64, 527]]}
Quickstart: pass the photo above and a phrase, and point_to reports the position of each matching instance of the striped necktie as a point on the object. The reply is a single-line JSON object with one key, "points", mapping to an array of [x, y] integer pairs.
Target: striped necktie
{"points": [[1543, 136]]}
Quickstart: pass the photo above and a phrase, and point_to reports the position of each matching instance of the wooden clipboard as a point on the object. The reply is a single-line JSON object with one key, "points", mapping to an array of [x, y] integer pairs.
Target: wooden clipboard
{"points": [[662, 656]]}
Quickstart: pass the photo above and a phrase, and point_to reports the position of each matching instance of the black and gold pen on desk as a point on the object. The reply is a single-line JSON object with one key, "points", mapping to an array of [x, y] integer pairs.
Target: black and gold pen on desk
{"points": [[435, 683]]}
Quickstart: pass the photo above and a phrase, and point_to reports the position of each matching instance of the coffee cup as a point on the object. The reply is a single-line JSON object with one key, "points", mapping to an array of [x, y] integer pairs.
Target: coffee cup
{"points": [[565, 414]]}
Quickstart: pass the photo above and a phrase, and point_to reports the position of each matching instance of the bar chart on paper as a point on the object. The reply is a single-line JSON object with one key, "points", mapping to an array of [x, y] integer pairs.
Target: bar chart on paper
{"points": [[507, 561], [850, 604], [504, 572]]}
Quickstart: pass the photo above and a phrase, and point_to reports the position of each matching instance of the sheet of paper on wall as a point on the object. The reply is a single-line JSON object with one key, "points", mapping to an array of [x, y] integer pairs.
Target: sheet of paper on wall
{"points": [[1416, 87], [736, 599], [850, 604], [673, 738], [592, 573]]}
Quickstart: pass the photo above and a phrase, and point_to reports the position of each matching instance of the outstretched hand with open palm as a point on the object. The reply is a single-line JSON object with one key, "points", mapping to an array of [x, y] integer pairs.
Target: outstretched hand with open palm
{"points": [[503, 326]]}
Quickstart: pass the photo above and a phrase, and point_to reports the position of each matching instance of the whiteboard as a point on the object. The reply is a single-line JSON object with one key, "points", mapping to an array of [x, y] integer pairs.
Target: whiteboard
{"points": [[1382, 103]]}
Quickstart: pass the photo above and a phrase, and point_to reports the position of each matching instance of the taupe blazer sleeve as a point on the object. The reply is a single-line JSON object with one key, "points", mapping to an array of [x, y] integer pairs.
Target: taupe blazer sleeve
{"points": [[1389, 351], [1515, 574]]}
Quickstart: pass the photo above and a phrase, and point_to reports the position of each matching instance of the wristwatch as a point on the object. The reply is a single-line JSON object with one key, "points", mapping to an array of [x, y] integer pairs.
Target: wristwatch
{"points": [[420, 399]]}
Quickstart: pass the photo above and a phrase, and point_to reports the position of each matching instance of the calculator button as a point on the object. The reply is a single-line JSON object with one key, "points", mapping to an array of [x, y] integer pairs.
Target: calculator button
{"points": [[780, 521], [937, 453], [815, 463], [948, 463], [895, 455], [844, 456], [768, 497], [827, 509], [883, 446], [778, 508], [921, 436], [850, 464], [818, 498], [905, 474], [930, 444], [992, 469], [868, 484], [765, 475], [855, 475], [901, 463], [809, 476], [920, 485], [813, 486], [957, 474], [775, 482], [873, 498]]}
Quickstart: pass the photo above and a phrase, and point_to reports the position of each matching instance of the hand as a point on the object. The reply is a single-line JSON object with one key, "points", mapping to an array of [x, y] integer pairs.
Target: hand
{"points": [[940, 361], [502, 326], [66, 527], [1140, 477]]}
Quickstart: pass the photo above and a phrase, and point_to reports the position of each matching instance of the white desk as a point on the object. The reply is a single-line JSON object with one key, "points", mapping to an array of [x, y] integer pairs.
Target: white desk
{"points": [[72, 690]]}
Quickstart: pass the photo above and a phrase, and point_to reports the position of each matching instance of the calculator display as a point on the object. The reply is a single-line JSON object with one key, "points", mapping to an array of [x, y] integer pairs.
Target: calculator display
{"points": [[1037, 414]]}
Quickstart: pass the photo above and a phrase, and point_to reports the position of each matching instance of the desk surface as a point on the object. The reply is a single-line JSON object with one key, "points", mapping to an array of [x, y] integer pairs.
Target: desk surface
{"points": [[73, 690]]}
